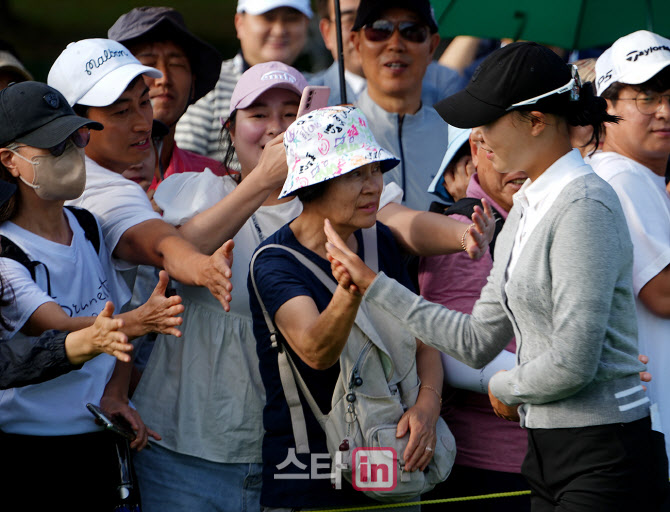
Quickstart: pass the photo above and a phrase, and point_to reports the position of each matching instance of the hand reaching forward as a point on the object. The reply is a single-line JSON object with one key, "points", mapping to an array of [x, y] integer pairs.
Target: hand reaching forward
{"points": [[159, 313], [347, 267], [480, 233], [104, 336], [216, 274]]}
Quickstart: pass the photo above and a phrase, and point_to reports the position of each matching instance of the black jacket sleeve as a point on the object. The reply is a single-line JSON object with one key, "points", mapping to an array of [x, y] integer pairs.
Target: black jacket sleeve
{"points": [[24, 362]]}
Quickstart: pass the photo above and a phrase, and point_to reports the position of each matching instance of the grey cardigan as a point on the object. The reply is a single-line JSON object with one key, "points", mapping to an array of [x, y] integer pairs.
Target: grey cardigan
{"points": [[570, 305]]}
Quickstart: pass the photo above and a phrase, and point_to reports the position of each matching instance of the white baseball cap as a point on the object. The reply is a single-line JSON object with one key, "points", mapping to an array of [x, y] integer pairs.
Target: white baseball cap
{"points": [[95, 72], [263, 6], [632, 59]]}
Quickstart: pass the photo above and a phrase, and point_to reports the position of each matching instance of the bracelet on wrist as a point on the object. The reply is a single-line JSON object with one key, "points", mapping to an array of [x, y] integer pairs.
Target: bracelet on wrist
{"points": [[439, 395], [465, 235]]}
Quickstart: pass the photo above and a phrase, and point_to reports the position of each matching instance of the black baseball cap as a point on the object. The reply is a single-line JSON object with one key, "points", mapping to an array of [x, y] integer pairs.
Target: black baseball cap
{"points": [[38, 115], [371, 10], [512, 74], [145, 24]]}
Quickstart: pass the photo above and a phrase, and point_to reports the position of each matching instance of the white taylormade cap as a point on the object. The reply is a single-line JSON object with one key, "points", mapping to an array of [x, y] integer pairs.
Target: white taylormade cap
{"points": [[95, 72], [262, 6], [632, 59]]}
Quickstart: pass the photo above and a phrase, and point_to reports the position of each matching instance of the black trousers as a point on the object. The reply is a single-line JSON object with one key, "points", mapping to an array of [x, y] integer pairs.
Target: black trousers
{"points": [[467, 481], [73, 473], [604, 468]]}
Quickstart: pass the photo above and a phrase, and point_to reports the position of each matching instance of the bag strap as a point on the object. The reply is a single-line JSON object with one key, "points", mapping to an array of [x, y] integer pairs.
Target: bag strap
{"points": [[9, 249], [288, 372], [88, 223]]}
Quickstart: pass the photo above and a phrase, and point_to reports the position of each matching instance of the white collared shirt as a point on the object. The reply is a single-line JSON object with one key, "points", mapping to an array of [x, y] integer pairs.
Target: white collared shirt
{"points": [[535, 198]]}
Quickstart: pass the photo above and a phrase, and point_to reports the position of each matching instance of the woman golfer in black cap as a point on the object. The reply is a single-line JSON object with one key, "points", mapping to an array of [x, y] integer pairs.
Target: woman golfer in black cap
{"points": [[58, 275], [561, 284]]}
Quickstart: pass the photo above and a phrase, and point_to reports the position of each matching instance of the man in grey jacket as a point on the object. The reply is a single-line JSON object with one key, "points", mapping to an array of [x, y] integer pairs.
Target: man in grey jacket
{"points": [[396, 41]]}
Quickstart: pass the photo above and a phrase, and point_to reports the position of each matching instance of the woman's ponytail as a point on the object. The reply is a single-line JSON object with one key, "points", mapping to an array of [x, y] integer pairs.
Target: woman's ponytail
{"points": [[590, 110]]}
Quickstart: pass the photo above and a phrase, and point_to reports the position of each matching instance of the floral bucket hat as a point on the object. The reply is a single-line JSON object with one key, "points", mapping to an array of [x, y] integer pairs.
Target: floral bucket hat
{"points": [[327, 143]]}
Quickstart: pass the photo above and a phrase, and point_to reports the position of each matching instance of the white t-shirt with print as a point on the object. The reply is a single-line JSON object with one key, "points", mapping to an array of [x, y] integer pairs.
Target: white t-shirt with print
{"points": [[81, 282]]}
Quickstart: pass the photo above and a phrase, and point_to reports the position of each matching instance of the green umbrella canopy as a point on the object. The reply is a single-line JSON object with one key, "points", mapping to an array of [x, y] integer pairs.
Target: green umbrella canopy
{"points": [[570, 24]]}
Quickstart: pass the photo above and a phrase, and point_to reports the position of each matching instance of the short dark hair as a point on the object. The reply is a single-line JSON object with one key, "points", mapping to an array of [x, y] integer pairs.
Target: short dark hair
{"points": [[312, 192], [322, 8], [660, 82]]}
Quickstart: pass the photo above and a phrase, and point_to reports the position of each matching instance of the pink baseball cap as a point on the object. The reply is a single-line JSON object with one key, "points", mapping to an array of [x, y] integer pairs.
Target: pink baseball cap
{"points": [[262, 77]]}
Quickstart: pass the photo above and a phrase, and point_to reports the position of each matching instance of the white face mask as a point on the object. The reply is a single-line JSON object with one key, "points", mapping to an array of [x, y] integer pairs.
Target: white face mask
{"points": [[58, 178]]}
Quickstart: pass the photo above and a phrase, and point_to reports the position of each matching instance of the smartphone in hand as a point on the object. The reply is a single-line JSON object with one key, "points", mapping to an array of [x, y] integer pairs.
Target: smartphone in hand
{"points": [[117, 423], [313, 97]]}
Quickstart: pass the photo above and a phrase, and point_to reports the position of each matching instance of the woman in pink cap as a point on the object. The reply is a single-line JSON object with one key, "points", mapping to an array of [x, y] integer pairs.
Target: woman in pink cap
{"points": [[204, 392]]}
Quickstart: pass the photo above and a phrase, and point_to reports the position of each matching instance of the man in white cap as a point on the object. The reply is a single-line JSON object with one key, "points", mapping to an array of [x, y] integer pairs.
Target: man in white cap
{"points": [[633, 75], [102, 78], [268, 30]]}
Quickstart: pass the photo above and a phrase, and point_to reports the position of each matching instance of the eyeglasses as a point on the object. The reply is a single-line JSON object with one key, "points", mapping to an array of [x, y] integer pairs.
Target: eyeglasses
{"points": [[382, 30], [648, 102], [573, 86], [80, 139]]}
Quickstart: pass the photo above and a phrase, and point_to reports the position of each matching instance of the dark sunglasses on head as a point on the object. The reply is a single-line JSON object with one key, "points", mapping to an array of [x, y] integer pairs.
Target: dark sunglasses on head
{"points": [[382, 30], [79, 138]]}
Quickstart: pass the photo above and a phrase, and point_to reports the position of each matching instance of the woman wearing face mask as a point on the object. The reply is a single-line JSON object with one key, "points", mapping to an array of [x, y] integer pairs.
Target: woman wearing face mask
{"points": [[60, 276], [561, 283]]}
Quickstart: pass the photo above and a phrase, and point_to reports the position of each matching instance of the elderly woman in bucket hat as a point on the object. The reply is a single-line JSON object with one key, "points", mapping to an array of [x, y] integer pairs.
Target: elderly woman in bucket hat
{"points": [[335, 169]]}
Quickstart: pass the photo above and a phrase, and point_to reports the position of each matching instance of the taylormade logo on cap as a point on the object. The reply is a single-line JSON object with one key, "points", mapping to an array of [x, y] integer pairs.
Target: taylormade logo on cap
{"points": [[279, 75], [632, 59], [108, 54], [635, 54]]}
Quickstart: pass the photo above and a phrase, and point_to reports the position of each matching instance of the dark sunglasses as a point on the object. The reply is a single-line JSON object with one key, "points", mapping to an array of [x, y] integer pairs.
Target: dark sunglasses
{"points": [[79, 138], [382, 30]]}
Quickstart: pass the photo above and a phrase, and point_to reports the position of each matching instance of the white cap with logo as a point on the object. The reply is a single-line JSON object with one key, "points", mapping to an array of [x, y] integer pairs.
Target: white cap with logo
{"points": [[632, 59], [95, 72], [263, 6]]}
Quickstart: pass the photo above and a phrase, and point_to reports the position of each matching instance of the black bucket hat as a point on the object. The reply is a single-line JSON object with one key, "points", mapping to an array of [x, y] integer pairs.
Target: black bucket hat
{"points": [[38, 115], [513, 74], [144, 24]]}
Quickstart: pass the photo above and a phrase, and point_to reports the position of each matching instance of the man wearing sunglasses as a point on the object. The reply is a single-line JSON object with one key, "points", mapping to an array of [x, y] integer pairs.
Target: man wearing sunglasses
{"points": [[438, 82], [634, 77], [396, 41]]}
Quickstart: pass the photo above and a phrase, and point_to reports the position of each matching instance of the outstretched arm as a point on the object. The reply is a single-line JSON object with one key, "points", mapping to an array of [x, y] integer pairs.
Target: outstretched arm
{"points": [[472, 340], [429, 234], [210, 229], [155, 242], [158, 314]]}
